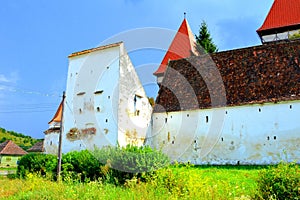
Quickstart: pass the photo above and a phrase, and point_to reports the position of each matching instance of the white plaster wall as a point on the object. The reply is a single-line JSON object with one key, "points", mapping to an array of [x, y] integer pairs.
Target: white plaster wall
{"points": [[134, 116], [250, 134], [92, 91], [51, 143]]}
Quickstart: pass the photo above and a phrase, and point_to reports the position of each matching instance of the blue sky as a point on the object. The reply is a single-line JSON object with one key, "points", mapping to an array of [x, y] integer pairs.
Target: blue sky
{"points": [[36, 36]]}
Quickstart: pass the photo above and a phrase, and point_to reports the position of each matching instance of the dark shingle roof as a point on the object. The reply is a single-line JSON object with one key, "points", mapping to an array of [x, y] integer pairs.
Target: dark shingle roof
{"points": [[265, 73], [10, 148], [37, 147]]}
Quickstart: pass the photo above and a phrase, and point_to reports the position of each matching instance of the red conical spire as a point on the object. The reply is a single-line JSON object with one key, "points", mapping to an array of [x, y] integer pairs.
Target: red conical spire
{"points": [[182, 46]]}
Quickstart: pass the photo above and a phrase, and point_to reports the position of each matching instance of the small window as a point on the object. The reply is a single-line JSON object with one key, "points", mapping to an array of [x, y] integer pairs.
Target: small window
{"points": [[173, 142], [222, 139], [106, 120], [8, 158], [188, 115], [166, 120], [98, 109], [80, 111], [259, 110], [226, 112], [51, 143], [291, 106], [107, 67], [98, 92], [206, 119], [275, 137], [80, 93], [108, 97], [268, 138]]}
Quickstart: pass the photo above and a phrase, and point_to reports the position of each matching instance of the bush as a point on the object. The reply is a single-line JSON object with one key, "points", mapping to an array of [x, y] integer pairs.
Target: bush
{"points": [[173, 179], [279, 182], [37, 163], [111, 164], [122, 164], [80, 164]]}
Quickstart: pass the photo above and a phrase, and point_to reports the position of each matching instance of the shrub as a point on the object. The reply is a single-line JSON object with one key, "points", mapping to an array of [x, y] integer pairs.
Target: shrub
{"points": [[173, 179], [279, 182], [125, 163], [37, 163], [80, 164]]}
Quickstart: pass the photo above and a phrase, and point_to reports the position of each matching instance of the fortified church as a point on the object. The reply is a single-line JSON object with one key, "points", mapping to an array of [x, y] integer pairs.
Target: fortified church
{"points": [[239, 106]]}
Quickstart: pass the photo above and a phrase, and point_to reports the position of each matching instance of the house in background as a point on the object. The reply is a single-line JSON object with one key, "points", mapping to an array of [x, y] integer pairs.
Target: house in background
{"points": [[105, 101], [10, 153], [51, 139], [182, 46], [282, 21], [37, 148]]}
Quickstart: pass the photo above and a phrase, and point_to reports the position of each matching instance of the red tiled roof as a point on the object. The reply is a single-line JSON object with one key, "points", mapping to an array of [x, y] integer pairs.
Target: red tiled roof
{"points": [[58, 114], [10, 148], [181, 47], [283, 13]]}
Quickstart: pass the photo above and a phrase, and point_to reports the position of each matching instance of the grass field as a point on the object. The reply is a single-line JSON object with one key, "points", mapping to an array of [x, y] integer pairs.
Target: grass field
{"points": [[210, 182]]}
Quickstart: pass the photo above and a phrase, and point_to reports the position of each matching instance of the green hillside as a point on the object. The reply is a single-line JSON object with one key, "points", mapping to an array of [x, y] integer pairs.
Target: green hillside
{"points": [[24, 141]]}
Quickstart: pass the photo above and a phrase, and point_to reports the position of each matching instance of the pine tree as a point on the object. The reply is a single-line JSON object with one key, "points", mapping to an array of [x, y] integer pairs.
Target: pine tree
{"points": [[204, 41]]}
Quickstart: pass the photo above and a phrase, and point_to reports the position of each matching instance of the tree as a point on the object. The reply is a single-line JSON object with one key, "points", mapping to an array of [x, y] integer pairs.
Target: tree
{"points": [[204, 41], [295, 36]]}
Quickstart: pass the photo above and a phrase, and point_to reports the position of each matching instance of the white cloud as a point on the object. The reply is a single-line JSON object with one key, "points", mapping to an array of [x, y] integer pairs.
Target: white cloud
{"points": [[12, 78], [3, 79]]}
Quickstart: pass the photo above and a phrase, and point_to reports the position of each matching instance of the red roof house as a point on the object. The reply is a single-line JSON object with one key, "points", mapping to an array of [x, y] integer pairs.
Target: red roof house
{"points": [[10, 153], [182, 46], [283, 18], [10, 148]]}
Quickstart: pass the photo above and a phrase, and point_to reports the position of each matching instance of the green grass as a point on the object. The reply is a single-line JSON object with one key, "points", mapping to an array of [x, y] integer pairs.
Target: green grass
{"points": [[209, 182]]}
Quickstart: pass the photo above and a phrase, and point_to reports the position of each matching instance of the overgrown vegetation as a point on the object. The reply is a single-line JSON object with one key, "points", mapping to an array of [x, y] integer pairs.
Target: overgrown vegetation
{"points": [[23, 141], [280, 182], [111, 164], [173, 182], [141, 173]]}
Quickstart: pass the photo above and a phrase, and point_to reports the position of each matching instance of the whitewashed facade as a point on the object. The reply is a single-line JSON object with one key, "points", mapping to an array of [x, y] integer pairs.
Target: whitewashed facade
{"points": [[249, 134], [51, 139], [105, 102]]}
